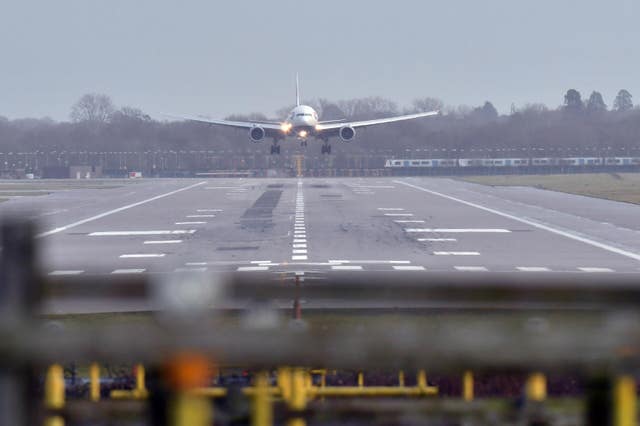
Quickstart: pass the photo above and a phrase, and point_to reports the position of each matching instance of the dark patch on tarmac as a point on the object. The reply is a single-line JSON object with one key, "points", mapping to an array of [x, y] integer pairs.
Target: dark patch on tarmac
{"points": [[259, 216]]}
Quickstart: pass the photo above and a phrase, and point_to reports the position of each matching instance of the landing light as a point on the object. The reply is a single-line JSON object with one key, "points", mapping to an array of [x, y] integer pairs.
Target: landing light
{"points": [[303, 134], [285, 127]]}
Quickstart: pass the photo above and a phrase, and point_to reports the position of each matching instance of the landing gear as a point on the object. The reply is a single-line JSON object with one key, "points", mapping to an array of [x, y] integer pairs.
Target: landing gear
{"points": [[275, 149], [326, 148], [303, 142]]}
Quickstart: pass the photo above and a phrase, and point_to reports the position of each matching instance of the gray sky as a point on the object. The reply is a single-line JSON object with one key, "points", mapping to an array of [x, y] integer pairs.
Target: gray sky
{"points": [[241, 56]]}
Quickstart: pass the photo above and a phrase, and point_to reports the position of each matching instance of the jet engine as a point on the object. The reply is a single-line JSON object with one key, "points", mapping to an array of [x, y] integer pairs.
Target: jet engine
{"points": [[256, 134], [347, 133]]}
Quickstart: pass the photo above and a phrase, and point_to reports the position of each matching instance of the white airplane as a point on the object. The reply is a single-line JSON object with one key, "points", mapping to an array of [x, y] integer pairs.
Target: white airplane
{"points": [[302, 123]]}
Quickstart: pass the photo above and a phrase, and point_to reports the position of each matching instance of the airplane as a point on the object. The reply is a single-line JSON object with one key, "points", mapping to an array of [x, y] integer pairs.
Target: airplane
{"points": [[303, 123]]}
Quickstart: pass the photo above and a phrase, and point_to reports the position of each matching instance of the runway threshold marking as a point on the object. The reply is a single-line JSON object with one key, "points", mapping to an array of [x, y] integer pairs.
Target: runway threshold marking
{"points": [[437, 240], [141, 255], [200, 215], [533, 269], [408, 268], [134, 233], [398, 214], [128, 271], [456, 253], [346, 267], [163, 242], [471, 268], [190, 223], [252, 268], [69, 272], [569, 235], [208, 210], [118, 210], [596, 270]]}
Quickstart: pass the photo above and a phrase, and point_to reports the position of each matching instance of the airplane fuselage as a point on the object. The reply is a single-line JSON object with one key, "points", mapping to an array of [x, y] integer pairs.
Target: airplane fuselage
{"points": [[301, 122]]}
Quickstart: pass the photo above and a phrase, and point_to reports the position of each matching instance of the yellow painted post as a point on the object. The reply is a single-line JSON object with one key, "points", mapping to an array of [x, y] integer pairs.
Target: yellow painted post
{"points": [[536, 387], [467, 386], [360, 379], [625, 402], [422, 379], [94, 380], [401, 378], [141, 388], [298, 401], [284, 382], [54, 394], [262, 410]]}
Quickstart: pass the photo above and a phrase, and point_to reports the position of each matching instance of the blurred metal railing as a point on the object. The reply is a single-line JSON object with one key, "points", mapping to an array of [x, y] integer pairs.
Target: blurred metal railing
{"points": [[597, 333]]}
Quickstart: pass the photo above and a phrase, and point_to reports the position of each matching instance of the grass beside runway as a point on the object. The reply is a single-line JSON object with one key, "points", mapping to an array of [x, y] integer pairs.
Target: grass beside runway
{"points": [[623, 187]]}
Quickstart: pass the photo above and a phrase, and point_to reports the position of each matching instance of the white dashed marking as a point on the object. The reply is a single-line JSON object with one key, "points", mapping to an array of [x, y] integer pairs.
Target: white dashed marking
{"points": [[390, 209], [456, 253], [346, 268], [128, 271], [437, 240], [141, 255], [299, 246], [299, 251], [133, 233], [190, 223], [471, 268], [208, 210], [408, 268], [69, 272], [459, 230], [409, 221], [298, 257], [200, 215], [398, 214], [163, 242], [590, 269], [533, 269], [252, 268], [300, 240]]}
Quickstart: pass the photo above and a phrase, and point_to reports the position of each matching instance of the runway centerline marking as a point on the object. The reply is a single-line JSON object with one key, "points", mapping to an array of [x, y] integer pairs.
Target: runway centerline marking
{"points": [[118, 210], [200, 215], [134, 233], [390, 209], [208, 210], [252, 268], [141, 255], [346, 268], [585, 240], [190, 223], [437, 240], [409, 221], [398, 214]]}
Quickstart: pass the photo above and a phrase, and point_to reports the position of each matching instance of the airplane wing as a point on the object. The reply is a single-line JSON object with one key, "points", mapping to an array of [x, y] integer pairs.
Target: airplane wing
{"points": [[237, 124], [365, 123]]}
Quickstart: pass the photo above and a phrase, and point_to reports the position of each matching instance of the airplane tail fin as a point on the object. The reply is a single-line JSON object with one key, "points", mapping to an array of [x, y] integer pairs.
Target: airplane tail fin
{"points": [[297, 90]]}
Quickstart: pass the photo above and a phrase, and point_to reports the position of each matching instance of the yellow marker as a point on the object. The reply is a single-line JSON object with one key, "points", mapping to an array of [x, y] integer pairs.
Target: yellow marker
{"points": [[262, 410], [94, 378], [625, 402], [536, 387], [54, 394], [401, 378], [467, 386], [360, 379], [422, 379]]}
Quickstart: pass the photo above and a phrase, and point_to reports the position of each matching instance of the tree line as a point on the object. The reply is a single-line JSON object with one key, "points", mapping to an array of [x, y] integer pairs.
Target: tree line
{"points": [[97, 125]]}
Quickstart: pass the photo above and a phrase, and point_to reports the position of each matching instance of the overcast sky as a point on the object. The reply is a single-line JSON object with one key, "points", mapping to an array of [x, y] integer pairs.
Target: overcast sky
{"points": [[203, 57]]}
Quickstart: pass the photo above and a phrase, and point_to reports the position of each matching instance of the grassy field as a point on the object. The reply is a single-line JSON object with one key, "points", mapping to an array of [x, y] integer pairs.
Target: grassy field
{"points": [[611, 186]]}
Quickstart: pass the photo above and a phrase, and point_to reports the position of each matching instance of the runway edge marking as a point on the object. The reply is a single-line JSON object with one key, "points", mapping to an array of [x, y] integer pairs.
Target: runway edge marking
{"points": [[569, 235], [118, 210]]}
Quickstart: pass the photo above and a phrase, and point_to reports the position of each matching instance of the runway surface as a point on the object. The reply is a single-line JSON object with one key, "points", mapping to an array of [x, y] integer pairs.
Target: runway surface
{"points": [[318, 225]]}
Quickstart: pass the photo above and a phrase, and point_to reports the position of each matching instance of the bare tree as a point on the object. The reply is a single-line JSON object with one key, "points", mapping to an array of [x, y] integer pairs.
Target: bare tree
{"points": [[93, 108], [427, 104]]}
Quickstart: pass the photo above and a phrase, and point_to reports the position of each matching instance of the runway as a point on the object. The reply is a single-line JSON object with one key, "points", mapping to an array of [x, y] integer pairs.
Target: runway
{"points": [[318, 225]]}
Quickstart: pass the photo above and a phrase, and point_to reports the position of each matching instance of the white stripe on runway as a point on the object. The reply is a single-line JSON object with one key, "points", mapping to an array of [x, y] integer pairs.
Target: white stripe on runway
{"points": [[390, 209], [128, 271], [299, 246], [208, 210], [346, 268], [133, 233], [398, 214], [200, 215], [299, 251], [585, 240], [458, 230], [252, 268], [190, 223], [589, 269], [408, 268], [298, 257], [69, 272], [533, 269], [409, 221], [163, 242], [118, 210], [456, 253], [300, 240], [140, 255], [471, 268], [392, 262], [437, 240]]}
